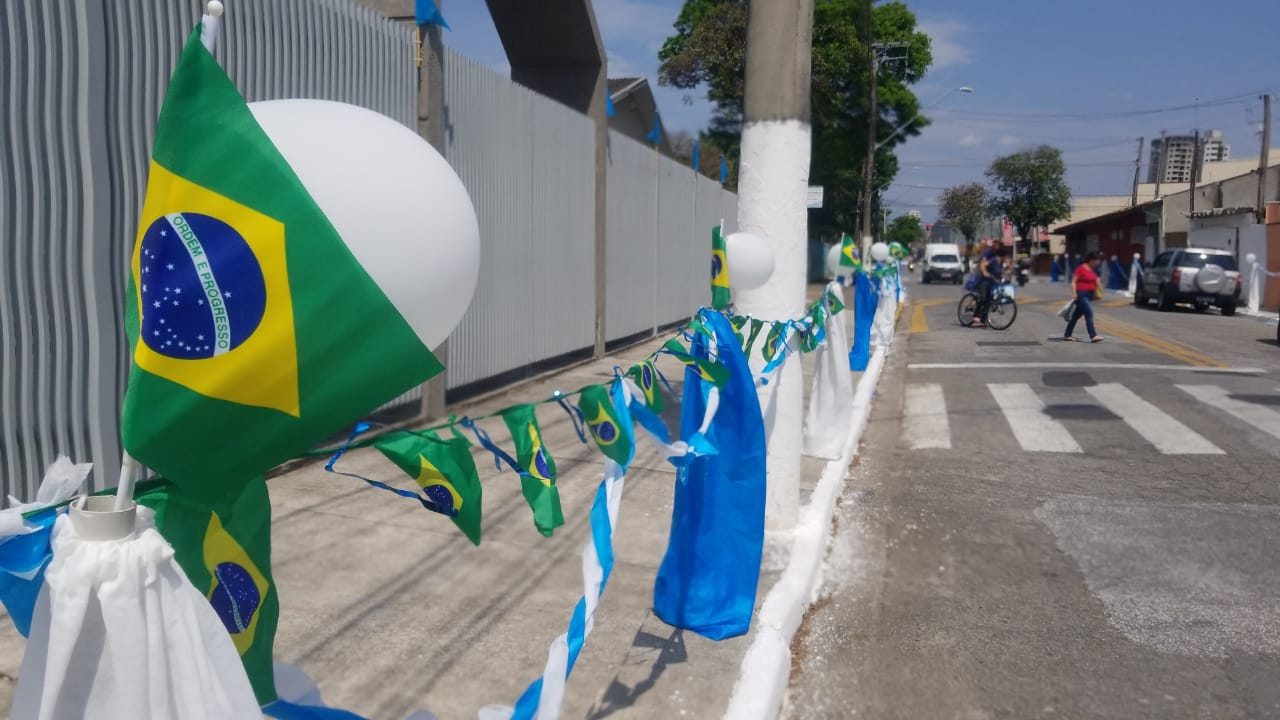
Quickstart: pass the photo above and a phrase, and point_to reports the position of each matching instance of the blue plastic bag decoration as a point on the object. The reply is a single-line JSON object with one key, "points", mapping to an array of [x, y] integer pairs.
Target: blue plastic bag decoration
{"points": [[708, 577], [865, 300]]}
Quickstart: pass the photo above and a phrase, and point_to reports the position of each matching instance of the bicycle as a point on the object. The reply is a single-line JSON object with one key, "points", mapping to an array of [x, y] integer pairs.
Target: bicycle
{"points": [[1001, 311]]}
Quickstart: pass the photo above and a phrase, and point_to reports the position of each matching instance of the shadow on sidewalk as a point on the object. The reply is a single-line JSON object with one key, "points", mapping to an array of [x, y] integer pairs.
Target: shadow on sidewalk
{"points": [[619, 696]]}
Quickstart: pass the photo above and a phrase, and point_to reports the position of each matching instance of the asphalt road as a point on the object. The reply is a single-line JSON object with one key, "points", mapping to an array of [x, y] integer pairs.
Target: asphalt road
{"points": [[1039, 529]]}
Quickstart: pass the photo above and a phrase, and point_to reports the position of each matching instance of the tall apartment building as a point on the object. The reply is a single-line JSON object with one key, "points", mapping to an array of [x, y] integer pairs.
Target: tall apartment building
{"points": [[1173, 159]]}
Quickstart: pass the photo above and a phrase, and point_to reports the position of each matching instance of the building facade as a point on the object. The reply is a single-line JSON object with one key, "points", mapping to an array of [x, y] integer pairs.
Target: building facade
{"points": [[1173, 157]]}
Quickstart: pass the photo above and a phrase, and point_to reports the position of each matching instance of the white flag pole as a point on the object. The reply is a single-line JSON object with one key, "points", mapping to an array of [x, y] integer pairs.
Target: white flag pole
{"points": [[129, 467], [209, 24]]}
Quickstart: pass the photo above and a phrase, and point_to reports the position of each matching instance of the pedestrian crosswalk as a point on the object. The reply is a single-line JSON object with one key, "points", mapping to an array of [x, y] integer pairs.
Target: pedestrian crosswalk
{"points": [[927, 424]]}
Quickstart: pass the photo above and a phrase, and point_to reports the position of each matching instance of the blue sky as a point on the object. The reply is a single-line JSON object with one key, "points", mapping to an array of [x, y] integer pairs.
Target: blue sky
{"points": [[1033, 65]]}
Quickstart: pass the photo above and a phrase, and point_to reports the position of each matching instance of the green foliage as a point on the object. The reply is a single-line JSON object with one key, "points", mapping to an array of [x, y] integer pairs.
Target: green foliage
{"points": [[965, 207], [709, 50], [905, 229], [1030, 189]]}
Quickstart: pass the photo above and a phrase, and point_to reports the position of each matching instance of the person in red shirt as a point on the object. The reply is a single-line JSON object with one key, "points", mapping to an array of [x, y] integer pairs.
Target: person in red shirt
{"points": [[1084, 281]]}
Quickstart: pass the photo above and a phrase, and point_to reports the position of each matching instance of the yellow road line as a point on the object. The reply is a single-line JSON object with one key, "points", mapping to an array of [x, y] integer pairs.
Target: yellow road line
{"points": [[919, 324], [1174, 350], [1171, 348]]}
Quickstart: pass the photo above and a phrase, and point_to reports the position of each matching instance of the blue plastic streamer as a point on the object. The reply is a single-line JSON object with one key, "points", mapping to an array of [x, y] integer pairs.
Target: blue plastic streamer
{"points": [[499, 455], [23, 559], [865, 300], [426, 12], [709, 574], [575, 415], [359, 429]]}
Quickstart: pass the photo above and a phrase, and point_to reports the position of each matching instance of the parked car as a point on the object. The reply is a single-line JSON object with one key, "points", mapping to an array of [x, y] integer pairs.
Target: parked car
{"points": [[1200, 277], [941, 263]]}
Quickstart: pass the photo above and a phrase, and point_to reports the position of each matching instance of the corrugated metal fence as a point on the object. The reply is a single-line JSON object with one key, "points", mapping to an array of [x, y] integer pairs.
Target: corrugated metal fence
{"points": [[81, 85]]}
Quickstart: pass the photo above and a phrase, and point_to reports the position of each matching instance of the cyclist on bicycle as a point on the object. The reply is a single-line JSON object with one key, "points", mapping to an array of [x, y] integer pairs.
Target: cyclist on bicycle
{"points": [[991, 268]]}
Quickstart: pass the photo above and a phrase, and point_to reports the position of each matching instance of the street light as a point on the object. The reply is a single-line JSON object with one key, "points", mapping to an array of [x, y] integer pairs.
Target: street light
{"points": [[907, 124]]}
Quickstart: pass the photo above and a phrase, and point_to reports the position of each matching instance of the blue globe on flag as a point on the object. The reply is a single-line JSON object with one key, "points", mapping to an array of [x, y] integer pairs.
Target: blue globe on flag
{"points": [[203, 293]]}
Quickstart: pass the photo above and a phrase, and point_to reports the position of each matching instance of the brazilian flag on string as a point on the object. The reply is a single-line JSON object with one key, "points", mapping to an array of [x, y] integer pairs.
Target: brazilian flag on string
{"points": [[609, 430], [645, 374], [224, 547], [254, 332], [719, 270], [773, 341], [537, 468], [445, 471]]}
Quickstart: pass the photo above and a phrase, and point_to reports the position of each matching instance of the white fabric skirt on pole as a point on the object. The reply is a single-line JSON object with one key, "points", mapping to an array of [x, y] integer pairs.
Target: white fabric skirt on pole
{"points": [[120, 632], [826, 422]]}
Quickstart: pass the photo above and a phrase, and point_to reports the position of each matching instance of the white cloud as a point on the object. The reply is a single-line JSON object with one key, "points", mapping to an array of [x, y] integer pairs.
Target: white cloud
{"points": [[1009, 140], [950, 40], [970, 140]]}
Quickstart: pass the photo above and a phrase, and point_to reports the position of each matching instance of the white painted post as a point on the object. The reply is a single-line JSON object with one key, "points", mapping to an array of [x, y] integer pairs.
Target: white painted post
{"points": [[1134, 270], [773, 187], [1255, 283]]}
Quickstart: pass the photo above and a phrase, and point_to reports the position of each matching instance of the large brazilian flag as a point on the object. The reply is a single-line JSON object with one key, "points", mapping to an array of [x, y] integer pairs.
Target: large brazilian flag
{"points": [[255, 332]]}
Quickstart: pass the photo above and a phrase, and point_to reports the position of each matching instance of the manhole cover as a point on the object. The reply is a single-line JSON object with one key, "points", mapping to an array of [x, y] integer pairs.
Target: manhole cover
{"points": [[1257, 399], [1079, 412], [1068, 379], [1007, 343]]}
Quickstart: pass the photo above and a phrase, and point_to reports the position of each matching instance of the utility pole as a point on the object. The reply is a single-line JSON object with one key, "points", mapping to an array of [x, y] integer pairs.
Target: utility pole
{"points": [[773, 203], [1137, 168], [1195, 171], [1264, 159], [1162, 159], [868, 165]]}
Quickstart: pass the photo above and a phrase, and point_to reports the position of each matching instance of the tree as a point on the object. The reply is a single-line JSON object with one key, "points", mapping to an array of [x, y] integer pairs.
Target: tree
{"points": [[709, 49], [1030, 189], [905, 229], [965, 207]]}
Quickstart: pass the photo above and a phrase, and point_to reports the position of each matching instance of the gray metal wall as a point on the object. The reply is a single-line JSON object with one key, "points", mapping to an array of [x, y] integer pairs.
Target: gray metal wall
{"points": [[529, 165], [81, 83]]}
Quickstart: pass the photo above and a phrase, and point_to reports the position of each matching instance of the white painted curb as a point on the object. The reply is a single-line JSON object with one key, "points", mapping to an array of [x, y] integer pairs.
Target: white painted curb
{"points": [[766, 669]]}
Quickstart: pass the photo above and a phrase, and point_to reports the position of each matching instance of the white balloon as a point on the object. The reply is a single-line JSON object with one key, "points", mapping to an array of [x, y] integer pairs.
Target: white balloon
{"points": [[879, 252], [1251, 258], [394, 200], [833, 260], [750, 260]]}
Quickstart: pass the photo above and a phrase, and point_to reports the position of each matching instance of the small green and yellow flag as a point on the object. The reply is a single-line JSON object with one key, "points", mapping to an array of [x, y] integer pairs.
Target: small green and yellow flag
{"points": [[719, 270], [834, 301], [445, 471], [773, 341], [710, 370], [537, 468], [813, 336], [849, 255], [224, 547], [645, 373], [607, 429]]}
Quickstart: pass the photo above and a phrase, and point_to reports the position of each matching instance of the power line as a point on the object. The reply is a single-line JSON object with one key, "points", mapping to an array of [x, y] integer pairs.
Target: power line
{"points": [[1077, 117]]}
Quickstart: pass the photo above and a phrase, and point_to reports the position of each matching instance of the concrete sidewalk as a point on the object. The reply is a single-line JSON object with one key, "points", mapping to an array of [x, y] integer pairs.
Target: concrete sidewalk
{"points": [[389, 608]]}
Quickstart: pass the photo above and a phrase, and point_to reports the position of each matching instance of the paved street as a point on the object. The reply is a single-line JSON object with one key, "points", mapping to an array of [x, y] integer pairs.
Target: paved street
{"points": [[1059, 530]]}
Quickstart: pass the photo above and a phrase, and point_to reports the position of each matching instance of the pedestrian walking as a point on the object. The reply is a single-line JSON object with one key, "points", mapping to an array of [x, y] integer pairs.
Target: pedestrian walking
{"points": [[1084, 288]]}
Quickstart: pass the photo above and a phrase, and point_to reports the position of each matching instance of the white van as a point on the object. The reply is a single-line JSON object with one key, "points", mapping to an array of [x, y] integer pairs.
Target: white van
{"points": [[942, 263]]}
